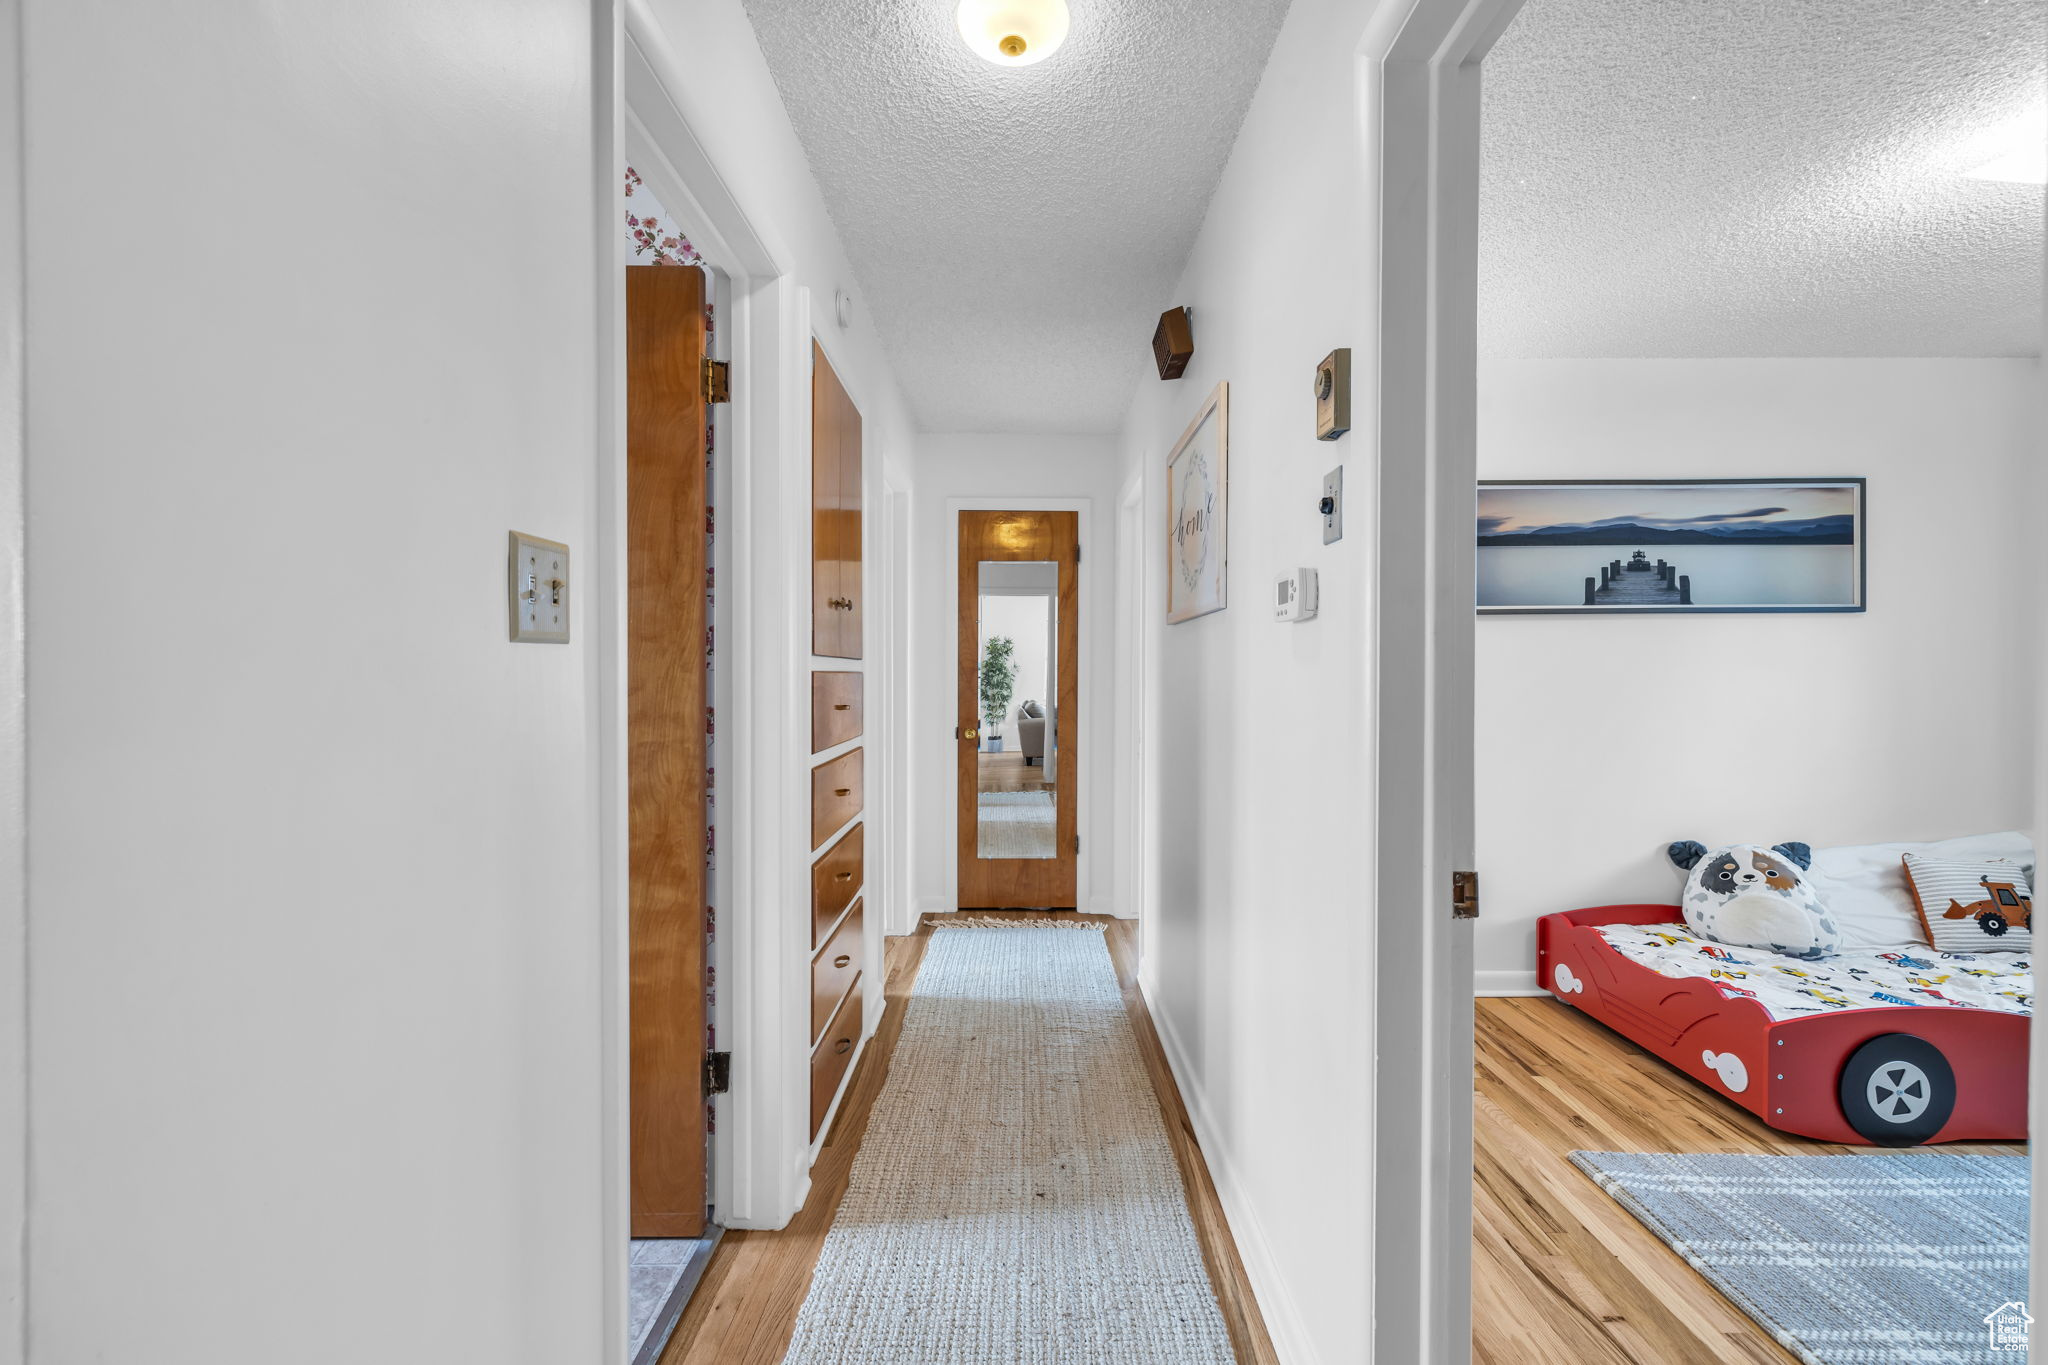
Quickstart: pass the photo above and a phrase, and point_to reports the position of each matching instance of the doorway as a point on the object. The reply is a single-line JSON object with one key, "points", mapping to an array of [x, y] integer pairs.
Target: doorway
{"points": [[1018, 678]]}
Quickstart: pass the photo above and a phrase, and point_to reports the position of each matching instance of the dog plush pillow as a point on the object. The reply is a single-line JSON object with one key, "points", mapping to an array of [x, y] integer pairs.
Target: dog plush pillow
{"points": [[1748, 896]]}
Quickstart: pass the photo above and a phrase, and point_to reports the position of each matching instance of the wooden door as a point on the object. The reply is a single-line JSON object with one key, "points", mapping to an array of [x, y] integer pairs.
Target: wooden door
{"points": [[1010, 854], [666, 727], [835, 514]]}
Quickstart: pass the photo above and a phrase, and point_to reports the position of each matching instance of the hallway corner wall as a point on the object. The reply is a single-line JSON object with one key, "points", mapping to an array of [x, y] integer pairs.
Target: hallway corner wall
{"points": [[992, 467], [1260, 732], [311, 845]]}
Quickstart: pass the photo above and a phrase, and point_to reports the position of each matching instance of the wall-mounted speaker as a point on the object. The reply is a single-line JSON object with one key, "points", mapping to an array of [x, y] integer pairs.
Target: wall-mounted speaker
{"points": [[1333, 395], [1173, 344]]}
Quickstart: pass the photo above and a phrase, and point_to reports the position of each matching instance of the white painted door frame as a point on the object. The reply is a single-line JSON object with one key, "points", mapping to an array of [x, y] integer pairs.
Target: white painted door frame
{"points": [[1136, 829], [1423, 84]]}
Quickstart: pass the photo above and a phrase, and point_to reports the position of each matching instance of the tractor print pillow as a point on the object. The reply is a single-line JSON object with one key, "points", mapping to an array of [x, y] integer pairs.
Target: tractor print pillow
{"points": [[1749, 896], [1979, 907]]}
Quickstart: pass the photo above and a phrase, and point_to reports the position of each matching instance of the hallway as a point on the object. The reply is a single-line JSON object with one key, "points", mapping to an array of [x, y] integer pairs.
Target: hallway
{"points": [[746, 1307]]}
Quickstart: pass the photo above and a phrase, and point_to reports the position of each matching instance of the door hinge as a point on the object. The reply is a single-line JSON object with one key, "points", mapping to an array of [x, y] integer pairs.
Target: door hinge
{"points": [[717, 1073], [717, 381], [1464, 895], [1077, 843], [1077, 554]]}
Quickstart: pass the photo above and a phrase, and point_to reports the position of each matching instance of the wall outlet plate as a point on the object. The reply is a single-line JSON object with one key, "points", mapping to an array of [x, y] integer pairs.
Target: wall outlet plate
{"points": [[1333, 503], [538, 589]]}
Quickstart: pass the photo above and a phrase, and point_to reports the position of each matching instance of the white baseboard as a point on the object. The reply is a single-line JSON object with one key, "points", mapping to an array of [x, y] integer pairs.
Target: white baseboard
{"points": [[1276, 1305], [1506, 983]]}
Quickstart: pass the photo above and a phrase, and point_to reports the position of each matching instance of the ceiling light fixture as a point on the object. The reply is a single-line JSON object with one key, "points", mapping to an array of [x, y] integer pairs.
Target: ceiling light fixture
{"points": [[1013, 32], [2018, 151]]}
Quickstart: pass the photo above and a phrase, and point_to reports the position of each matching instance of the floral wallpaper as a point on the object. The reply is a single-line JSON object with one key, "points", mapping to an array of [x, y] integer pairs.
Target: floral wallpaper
{"points": [[652, 232]]}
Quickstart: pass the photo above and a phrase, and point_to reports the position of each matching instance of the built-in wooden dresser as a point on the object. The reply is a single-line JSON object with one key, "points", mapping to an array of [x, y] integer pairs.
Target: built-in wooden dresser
{"points": [[838, 832]]}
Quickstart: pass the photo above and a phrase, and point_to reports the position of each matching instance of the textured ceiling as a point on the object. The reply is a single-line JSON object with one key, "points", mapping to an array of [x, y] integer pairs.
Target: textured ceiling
{"points": [[1016, 230], [1759, 178]]}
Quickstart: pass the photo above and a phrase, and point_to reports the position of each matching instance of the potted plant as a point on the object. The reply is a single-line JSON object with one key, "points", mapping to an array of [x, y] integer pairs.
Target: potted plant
{"points": [[998, 681]]}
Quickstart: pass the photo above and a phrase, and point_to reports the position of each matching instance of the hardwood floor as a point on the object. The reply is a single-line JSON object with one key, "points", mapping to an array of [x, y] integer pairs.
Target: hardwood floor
{"points": [[1008, 772], [746, 1305], [1562, 1275]]}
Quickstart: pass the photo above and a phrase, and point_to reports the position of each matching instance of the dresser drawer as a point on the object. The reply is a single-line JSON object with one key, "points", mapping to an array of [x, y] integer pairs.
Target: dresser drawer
{"points": [[835, 709], [833, 1055], [833, 970], [835, 795], [835, 880]]}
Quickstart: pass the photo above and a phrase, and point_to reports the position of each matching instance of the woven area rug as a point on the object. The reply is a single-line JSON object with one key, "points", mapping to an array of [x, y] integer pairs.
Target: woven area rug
{"points": [[1889, 1259], [1015, 825], [1015, 1201]]}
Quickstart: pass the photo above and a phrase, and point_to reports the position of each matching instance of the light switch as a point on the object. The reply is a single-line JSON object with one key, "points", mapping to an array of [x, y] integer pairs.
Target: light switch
{"points": [[539, 591], [1332, 505]]}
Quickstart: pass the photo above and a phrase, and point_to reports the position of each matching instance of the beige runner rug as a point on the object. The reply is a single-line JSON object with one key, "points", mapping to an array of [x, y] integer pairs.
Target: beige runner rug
{"points": [[1015, 1200]]}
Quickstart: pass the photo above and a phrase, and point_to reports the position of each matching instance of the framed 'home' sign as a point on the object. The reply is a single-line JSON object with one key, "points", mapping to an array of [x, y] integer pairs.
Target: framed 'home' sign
{"points": [[1197, 508]]}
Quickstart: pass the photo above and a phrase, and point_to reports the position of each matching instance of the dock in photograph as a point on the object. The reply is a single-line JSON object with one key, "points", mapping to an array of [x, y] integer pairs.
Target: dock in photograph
{"points": [[1639, 583]]}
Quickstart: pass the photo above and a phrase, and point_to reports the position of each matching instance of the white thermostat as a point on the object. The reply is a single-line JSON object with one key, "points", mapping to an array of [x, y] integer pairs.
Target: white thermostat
{"points": [[1294, 595]]}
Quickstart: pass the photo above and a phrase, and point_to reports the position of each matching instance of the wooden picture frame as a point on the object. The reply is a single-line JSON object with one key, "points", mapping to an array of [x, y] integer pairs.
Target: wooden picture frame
{"points": [[1197, 512]]}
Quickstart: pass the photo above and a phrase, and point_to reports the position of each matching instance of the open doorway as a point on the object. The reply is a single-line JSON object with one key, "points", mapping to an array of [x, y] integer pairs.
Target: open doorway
{"points": [[671, 444], [1716, 1006]]}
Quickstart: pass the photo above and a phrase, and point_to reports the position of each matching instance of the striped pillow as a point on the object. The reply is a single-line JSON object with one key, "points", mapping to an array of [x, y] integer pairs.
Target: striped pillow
{"points": [[1972, 907]]}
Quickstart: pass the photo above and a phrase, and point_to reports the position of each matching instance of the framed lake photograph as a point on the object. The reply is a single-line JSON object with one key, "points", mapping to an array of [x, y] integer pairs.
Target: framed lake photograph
{"points": [[1659, 545]]}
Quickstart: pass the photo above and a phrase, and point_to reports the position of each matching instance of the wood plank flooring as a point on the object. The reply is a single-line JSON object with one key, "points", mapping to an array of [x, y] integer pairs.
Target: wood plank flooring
{"points": [[745, 1308], [1008, 772], [1562, 1275]]}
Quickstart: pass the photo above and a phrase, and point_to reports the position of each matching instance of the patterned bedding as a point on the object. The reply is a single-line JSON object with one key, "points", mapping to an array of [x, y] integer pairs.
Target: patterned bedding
{"points": [[1855, 978]]}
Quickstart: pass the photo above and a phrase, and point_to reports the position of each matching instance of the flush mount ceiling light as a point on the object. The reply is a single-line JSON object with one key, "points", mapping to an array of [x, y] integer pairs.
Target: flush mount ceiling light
{"points": [[1013, 32], [2017, 151]]}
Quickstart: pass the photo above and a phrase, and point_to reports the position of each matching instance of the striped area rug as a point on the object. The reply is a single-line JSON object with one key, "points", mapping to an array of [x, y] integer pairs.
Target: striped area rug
{"points": [[1886, 1259], [1015, 1200]]}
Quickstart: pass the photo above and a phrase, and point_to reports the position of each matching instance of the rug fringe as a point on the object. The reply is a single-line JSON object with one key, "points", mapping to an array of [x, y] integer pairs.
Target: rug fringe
{"points": [[977, 922]]}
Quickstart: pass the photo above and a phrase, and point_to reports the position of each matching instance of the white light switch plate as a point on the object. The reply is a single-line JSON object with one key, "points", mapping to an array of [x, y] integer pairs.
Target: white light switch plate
{"points": [[539, 588]]}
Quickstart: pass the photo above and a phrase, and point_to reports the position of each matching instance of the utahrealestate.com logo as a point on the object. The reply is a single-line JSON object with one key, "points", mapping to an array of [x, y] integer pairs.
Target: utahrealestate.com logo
{"points": [[2008, 1323]]}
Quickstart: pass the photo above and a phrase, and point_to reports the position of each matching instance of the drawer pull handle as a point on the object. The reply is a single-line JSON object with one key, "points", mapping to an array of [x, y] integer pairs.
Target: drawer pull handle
{"points": [[842, 791], [842, 706], [841, 1045], [842, 959], [843, 876]]}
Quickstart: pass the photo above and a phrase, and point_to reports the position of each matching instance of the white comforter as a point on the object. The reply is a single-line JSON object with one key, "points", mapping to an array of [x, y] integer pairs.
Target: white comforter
{"points": [[1858, 978]]}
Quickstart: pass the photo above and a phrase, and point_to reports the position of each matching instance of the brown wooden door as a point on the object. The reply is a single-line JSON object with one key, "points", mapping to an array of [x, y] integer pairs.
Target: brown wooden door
{"points": [[665, 664], [1010, 854], [835, 514]]}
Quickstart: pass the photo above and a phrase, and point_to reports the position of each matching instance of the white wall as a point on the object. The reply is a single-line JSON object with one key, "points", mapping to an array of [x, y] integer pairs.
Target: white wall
{"points": [[1259, 957], [991, 468], [13, 740], [1601, 740], [314, 1024], [1028, 621]]}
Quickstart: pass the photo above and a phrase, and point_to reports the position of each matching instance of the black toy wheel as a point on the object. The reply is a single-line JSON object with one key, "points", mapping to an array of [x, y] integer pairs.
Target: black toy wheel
{"points": [[1897, 1090], [1992, 924]]}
